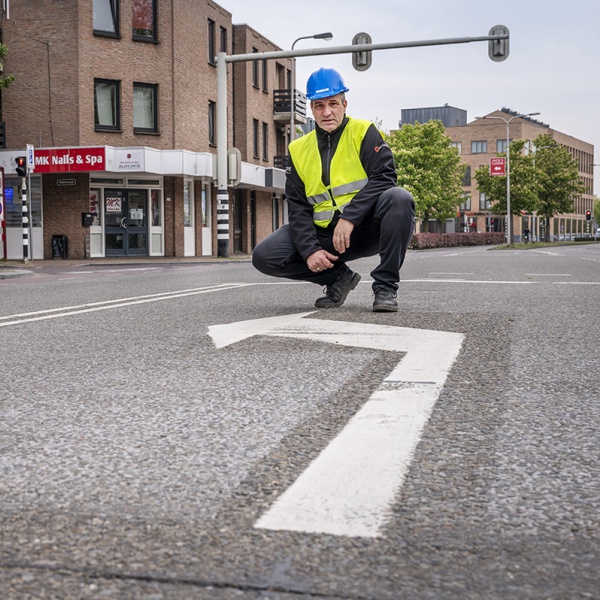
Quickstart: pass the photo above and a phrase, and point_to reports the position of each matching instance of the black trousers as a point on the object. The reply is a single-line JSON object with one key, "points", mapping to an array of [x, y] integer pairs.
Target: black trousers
{"points": [[387, 232]]}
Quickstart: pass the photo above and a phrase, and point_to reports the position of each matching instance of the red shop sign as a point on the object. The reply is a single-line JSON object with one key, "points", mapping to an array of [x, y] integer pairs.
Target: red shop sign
{"points": [[70, 160]]}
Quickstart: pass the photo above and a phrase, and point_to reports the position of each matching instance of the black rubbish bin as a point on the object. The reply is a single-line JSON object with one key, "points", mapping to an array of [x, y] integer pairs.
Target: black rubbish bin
{"points": [[60, 246]]}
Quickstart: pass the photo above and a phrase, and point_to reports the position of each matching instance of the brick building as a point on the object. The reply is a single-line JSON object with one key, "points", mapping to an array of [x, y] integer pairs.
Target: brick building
{"points": [[119, 100], [480, 140]]}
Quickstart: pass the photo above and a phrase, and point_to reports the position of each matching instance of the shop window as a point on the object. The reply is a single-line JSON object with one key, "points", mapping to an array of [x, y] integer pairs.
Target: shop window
{"points": [[188, 204], [106, 17], [143, 20], [156, 212], [107, 110], [95, 206], [145, 108]]}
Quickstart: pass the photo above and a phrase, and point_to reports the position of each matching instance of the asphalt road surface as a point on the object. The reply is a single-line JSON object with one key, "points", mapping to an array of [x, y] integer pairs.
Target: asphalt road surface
{"points": [[201, 431]]}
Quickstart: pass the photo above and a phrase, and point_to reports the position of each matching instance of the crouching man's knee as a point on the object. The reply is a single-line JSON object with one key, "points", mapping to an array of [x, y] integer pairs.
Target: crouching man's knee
{"points": [[398, 201]]}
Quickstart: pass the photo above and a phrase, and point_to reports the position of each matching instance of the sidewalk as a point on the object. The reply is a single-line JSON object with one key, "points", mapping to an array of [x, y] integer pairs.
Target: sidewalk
{"points": [[18, 268]]}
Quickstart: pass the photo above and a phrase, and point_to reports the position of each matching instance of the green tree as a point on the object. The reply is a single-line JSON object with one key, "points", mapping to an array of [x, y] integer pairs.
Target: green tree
{"points": [[557, 178], [4, 81], [597, 210], [429, 168], [522, 183]]}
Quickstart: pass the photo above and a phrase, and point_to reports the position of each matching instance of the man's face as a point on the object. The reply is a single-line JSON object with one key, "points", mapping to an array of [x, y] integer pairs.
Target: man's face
{"points": [[329, 112]]}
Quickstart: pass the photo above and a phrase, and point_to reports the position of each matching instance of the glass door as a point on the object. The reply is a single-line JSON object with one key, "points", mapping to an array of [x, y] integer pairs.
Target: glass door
{"points": [[126, 226]]}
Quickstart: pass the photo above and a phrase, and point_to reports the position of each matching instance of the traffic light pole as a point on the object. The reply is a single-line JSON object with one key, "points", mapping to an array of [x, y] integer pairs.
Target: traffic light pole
{"points": [[498, 51], [25, 220]]}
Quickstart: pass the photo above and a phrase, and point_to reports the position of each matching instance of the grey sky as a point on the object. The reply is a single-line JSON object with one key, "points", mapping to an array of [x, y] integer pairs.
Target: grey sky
{"points": [[553, 67]]}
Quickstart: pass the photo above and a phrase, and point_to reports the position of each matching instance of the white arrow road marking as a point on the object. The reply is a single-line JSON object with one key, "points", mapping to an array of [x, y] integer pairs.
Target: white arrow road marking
{"points": [[349, 488]]}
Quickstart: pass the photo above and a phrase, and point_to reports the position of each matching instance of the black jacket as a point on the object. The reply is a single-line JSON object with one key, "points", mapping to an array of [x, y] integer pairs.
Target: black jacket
{"points": [[378, 163]]}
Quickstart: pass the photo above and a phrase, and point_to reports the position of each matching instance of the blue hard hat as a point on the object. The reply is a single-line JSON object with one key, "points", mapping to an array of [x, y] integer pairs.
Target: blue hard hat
{"points": [[324, 83]]}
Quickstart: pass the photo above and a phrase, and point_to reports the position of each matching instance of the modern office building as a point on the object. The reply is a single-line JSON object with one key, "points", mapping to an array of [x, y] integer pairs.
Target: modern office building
{"points": [[119, 100]]}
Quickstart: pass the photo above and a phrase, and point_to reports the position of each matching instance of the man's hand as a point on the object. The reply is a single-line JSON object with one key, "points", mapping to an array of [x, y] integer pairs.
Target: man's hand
{"points": [[341, 235], [320, 260]]}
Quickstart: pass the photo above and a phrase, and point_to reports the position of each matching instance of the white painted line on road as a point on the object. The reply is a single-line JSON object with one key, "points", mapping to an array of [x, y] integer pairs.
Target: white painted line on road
{"points": [[349, 488], [67, 311], [495, 281]]}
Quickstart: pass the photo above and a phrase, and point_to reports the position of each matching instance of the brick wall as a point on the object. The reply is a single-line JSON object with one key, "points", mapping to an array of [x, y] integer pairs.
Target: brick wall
{"points": [[63, 205]]}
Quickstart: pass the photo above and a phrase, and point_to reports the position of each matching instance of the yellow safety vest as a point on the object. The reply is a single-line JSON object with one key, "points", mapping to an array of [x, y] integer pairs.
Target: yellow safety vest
{"points": [[347, 175]]}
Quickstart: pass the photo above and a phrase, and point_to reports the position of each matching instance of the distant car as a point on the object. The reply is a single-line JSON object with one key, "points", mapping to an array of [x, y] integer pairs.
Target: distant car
{"points": [[597, 234]]}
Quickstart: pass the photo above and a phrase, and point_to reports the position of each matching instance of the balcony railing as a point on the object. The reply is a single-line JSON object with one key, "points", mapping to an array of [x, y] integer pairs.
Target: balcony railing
{"points": [[282, 104]]}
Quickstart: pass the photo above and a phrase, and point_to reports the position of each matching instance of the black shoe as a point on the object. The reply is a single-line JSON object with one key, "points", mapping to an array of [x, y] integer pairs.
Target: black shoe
{"points": [[385, 300], [336, 292]]}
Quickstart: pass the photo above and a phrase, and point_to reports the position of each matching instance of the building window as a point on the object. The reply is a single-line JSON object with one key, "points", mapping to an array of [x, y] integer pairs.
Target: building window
{"points": [[223, 39], [501, 145], [484, 202], [107, 101], [255, 136], [212, 123], [466, 203], [106, 17], [211, 42], [255, 70], [265, 83], [145, 108], [265, 141], [467, 176], [143, 20], [479, 147], [458, 146]]}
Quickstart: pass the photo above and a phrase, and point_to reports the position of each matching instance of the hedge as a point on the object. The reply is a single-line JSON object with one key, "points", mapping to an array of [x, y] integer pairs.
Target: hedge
{"points": [[421, 241]]}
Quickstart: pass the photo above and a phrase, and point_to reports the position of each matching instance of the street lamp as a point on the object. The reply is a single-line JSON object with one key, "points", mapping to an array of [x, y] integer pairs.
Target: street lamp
{"points": [[327, 36], [508, 215]]}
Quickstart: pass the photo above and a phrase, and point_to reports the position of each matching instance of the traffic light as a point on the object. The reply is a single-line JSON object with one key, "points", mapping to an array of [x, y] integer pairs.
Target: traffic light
{"points": [[21, 162], [588, 215], [498, 50], [361, 61]]}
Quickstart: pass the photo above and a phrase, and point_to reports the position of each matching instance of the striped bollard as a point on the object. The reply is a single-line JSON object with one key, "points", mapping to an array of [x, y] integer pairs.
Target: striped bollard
{"points": [[25, 221]]}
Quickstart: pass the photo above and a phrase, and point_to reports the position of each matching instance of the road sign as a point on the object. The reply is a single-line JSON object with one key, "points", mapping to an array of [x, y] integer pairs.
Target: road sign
{"points": [[497, 165], [30, 158], [348, 490]]}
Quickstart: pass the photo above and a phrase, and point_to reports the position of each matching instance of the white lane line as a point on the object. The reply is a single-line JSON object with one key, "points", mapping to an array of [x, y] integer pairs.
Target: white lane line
{"points": [[67, 311], [350, 487]]}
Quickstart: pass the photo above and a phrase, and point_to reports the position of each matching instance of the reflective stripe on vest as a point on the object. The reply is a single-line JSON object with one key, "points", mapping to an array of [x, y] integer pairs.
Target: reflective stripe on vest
{"points": [[348, 176]]}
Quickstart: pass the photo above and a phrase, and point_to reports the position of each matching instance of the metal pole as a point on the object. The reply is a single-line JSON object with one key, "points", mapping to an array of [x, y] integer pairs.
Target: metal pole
{"points": [[508, 215], [318, 36], [24, 220], [222, 193], [223, 59]]}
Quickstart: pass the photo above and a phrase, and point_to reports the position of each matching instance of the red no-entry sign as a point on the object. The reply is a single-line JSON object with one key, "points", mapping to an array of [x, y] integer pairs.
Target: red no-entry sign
{"points": [[498, 166]]}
